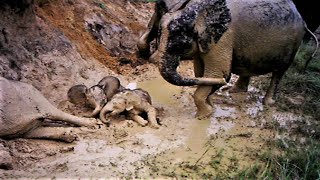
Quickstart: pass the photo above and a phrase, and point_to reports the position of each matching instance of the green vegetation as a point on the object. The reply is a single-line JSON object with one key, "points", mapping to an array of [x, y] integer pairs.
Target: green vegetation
{"points": [[300, 93], [300, 90], [295, 163]]}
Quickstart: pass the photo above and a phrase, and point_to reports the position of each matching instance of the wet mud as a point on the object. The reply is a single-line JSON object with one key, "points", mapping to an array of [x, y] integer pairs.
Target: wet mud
{"points": [[183, 147]]}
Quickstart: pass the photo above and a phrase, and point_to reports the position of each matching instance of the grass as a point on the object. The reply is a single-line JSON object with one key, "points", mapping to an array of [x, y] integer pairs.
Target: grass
{"points": [[295, 163], [304, 84]]}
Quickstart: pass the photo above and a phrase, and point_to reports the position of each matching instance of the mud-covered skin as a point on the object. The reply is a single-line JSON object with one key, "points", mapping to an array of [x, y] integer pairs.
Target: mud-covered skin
{"points": [[93, 97], [111, 85], [308, 11], [134, 103], [23, 109], [181, 36], [96, 96], [246, 37], [77, 94], [161, 7]]}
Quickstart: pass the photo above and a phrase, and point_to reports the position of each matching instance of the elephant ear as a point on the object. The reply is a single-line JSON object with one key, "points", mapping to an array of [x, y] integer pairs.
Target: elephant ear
{"points": [[211, 23]]}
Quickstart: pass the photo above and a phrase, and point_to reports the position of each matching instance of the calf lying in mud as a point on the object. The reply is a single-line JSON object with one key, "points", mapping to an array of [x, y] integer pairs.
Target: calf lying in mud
{"points": [[23, 110], [134, 103], [109, 96], [96, 96]]}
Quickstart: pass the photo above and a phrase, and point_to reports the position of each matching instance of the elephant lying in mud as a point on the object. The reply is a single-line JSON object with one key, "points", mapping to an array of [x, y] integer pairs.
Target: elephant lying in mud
{"points": [[96, 96], [245, 37], [23, 110], [134, 103]]}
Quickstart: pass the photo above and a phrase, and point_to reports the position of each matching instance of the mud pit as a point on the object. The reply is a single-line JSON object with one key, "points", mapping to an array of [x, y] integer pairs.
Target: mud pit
{"points": [[183, 147], [232, 139]]}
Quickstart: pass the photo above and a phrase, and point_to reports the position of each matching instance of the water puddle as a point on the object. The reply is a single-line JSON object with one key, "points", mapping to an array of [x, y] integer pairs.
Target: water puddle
{"points": [[160, 90]]}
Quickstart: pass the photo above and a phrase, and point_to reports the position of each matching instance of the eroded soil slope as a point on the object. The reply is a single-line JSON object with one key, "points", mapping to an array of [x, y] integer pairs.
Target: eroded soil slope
{"points": [[79, 42]]}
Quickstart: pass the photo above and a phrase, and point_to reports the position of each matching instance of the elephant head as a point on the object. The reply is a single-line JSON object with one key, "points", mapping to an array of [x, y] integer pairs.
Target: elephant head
{"points": [[161, 8], [111, 85], [93, 97], [190, 31], [96, 96]]}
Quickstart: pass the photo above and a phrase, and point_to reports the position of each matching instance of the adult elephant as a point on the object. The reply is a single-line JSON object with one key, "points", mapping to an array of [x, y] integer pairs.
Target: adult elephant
{"points": [[244, 37], [308, 11], [161, 7]]}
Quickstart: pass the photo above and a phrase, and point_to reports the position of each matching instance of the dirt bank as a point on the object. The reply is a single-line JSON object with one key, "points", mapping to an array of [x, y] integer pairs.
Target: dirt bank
{"points": [[79, 42]]}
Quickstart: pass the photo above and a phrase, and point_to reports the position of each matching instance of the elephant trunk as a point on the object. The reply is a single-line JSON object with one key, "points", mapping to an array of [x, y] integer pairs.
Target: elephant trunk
{"points": [[96, 110], [168, 70]]}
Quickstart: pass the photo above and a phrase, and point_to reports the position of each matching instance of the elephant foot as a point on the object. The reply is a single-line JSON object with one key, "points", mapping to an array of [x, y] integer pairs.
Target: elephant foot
{"points": [[69, 137], [268, 101], [204, 113], [55, 133]]}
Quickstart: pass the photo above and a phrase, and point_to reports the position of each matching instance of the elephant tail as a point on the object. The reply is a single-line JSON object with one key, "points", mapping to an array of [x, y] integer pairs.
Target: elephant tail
{"points": [[316, 49]]}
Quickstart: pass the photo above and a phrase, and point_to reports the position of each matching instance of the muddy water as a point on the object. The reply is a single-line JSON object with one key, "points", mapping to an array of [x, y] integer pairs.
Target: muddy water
{"points": [[207, 139], [231, 139]]}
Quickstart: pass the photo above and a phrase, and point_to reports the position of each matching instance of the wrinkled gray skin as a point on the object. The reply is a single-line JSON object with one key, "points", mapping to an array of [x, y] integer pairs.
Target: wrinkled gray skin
{"points": [[111, 86], [244, 37], [308, 11], [93, 97], [134, 102], [96, 96], [23, 109]]}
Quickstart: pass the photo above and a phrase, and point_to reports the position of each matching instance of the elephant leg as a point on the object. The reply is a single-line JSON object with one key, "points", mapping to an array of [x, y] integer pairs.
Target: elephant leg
{"points": [[198, 67], [216, 63], [200, 99], [62, 116], [96, 111], [138, 119], [241, 85], [152, 113], [268, 98], [55, 133]]}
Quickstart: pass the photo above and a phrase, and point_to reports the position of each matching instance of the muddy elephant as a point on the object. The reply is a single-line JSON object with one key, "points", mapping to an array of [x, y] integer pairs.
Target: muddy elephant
{"points": [[308, 11], [245, 37], [23, 110], [93, 97], [161, 7], [96, 96], [134, 103]]}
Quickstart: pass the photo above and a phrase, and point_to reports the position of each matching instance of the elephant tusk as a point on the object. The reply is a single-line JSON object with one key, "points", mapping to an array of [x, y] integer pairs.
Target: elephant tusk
{"points": [[211, 81]]}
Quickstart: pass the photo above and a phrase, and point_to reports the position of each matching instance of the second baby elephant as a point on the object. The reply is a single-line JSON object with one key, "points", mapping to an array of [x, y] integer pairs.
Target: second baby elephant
{"points": [[245, 37], [96, 96], [134, 103]]}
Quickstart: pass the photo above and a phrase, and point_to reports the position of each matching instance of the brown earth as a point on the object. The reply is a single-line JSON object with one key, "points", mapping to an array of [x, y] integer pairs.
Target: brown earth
{"points": [[232, 139]]}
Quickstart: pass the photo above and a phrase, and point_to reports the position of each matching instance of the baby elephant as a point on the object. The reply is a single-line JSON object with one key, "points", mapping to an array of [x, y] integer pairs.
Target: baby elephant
{"points": [[134, 102], [23, 110], [96, 96]]}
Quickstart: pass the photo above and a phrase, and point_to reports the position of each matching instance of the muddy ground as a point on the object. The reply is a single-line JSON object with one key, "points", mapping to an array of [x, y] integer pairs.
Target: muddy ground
{"points": [[233, 138]]}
